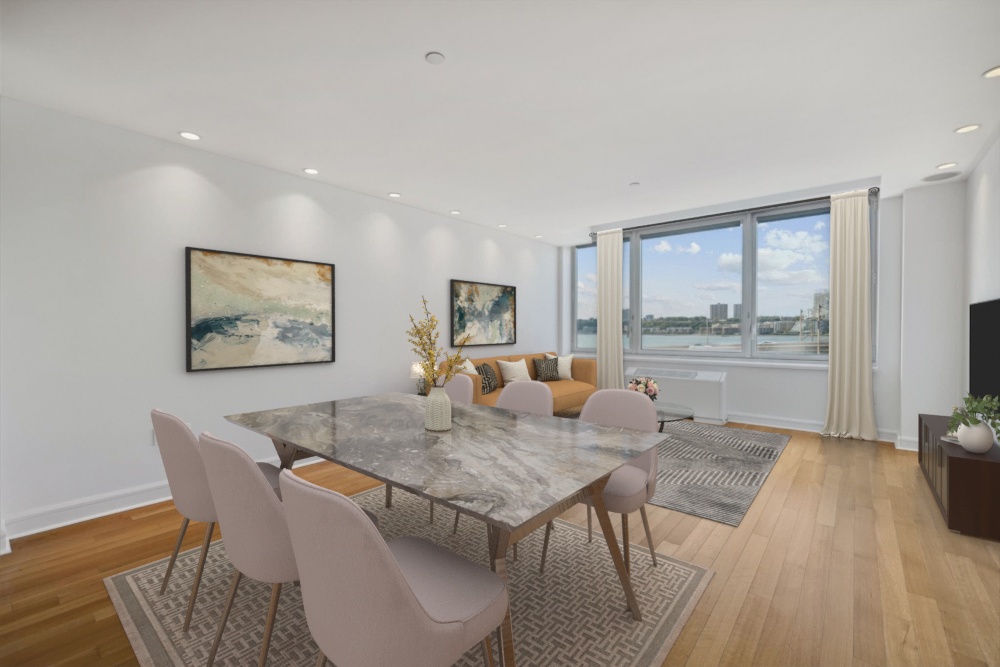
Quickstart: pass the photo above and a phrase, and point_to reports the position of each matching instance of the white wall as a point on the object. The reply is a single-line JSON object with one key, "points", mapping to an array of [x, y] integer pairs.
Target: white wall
{"points": [[93, 225], [982, 277], [932, 340]]}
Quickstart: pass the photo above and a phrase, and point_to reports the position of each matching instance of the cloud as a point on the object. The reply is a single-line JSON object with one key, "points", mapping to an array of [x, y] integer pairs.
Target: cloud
{"points": [[720, 286], [801, 241], [800, 277], [819, 225], [592, 277], [693, 249], [730, 262], [771, 259], [663, 246]]}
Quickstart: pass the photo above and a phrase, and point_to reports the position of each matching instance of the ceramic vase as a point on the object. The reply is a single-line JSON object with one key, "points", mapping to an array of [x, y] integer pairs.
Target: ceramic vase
{"points": [[437, 414], [977, 439]]}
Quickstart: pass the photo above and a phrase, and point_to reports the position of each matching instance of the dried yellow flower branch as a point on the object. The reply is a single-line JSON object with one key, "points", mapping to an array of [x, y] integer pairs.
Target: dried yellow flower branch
{"points": [[423, 336]]}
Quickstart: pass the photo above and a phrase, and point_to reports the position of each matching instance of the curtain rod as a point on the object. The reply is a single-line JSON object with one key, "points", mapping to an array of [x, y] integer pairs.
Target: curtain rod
{"points": [[872, 192]]}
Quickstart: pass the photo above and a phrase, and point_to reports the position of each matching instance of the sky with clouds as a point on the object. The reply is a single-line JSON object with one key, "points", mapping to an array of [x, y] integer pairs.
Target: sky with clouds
{"points": [[684, 273]]}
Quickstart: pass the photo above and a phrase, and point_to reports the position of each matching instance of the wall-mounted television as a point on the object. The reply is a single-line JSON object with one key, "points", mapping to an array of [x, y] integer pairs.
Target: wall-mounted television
{"points": [[984, 348]]}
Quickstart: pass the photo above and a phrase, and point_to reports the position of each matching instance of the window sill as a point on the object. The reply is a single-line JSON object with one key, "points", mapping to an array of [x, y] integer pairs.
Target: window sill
{"points": [[638, 359]]}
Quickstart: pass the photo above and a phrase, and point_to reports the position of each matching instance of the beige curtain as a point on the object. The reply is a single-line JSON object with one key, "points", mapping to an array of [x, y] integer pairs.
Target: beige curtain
{"points": [[850, 407], [610, 362]]}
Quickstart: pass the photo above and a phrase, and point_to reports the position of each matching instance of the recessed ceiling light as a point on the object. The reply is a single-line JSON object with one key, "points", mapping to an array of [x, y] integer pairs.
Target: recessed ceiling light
{"points": [[634, 185], [456, 213], [434, 58], [992, 73], [191, 136], [538, 236], [394, 194], [501, 226], [947, 165], [311, 171], [967, 128]]}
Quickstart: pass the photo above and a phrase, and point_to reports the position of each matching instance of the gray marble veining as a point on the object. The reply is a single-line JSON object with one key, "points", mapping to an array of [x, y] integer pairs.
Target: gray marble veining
{"points": [[504, 467]]}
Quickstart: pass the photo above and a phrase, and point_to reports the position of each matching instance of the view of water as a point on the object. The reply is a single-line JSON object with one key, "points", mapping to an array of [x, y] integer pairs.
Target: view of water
{"points": [[695, 341]]}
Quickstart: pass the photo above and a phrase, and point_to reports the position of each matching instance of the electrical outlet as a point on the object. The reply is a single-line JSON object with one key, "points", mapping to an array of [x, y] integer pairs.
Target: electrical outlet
{"points": [[154, 438]]}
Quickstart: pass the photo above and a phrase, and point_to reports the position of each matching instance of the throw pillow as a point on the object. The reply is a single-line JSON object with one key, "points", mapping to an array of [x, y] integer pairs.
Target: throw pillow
{"points": [[547, 370], [513, 371], [489, 378], [565, 366], [468, 367]]}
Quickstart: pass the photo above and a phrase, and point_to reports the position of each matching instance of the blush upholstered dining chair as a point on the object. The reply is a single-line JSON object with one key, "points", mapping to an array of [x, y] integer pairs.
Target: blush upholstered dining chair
{"points": [[371, 603], [189, 487], [253, 526], [459, 389], [633, 484]]}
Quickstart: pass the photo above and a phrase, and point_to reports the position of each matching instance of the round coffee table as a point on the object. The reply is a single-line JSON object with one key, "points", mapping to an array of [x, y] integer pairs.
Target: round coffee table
{"points": [[672, 412]]}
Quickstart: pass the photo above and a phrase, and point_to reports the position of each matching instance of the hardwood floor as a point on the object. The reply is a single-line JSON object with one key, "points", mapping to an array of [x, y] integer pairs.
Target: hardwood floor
{"points": [[843, 559]]}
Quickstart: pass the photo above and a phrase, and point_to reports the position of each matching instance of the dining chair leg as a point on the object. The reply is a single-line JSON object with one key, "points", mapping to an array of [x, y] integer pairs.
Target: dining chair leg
{"points": [[197, 574], [545, 546], [649, 535], [628, 565], [237, 575], [321, 660], [432, 511], [590, 523], [454, 528], [173, 556], [487, 651], [272, 610], [388, 498]]}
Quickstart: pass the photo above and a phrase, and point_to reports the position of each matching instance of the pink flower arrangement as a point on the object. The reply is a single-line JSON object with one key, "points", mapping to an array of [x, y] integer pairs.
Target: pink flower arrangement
{"points": [[647, 386]]}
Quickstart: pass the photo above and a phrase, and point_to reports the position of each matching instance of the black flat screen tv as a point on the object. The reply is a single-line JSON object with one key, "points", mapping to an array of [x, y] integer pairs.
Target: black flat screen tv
{"points": [[984, 348]]}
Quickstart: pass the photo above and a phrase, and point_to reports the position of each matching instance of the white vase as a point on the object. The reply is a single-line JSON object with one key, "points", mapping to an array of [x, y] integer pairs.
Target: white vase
{"points": [[437, 413], [977, 439]]}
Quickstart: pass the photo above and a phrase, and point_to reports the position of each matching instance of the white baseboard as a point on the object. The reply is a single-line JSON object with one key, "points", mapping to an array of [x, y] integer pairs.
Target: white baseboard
{"points": [[804, 425], [777, 422], [4, 540], [906, 444], [62, 514]]}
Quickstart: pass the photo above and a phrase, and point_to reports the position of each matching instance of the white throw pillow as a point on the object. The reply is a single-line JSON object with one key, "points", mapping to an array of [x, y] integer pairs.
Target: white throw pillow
{"points": [[468, 367], [513, 371], [565, 365]]}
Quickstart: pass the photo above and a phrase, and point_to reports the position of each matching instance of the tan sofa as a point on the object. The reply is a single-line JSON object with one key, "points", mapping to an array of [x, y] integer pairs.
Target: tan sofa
{"points": [[566, 394]]}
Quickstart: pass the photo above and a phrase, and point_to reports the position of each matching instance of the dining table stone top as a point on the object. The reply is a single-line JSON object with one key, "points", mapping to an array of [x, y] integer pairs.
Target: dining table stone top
{"points": [[502, 466]]}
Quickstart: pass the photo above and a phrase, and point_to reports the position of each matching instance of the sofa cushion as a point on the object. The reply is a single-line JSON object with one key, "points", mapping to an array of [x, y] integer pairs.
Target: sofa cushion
{"points": [[529, 361], [565, 366], [546, 370], [569, 393], [485, 371], [513, 371]]}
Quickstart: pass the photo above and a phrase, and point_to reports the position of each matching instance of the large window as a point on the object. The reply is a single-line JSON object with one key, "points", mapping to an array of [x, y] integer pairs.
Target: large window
{"points": [[793, 284], [690, 298], [751, 284]]}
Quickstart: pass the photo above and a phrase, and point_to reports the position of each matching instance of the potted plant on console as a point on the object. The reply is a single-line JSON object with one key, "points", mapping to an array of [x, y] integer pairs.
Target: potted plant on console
{"points": [[976, 422]]}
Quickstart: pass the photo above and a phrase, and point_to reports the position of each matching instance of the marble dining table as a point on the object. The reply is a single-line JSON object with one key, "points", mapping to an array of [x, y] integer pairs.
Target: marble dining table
{"points": [[513, 470]]}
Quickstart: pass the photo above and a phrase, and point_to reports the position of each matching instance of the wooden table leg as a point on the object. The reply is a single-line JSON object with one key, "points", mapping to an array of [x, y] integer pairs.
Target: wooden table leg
{"points": [[499, 541], [596, 491], [286, 453]]}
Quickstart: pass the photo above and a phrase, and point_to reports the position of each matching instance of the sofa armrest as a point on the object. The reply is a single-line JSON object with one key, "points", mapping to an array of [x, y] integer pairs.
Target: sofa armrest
{"points": [[585, 370]]}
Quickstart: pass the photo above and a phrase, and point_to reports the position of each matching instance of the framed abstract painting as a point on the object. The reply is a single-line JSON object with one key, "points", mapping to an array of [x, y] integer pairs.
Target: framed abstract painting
{"points": [[483, 313], [247, 311]]}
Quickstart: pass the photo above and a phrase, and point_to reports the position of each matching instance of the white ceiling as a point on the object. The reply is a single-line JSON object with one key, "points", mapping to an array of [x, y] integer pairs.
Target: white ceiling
{"points": [[544, 111]]}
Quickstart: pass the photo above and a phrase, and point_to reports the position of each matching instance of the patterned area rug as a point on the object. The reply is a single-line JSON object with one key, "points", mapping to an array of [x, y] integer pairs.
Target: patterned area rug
{"points": [[714, 472], [574, 614]]}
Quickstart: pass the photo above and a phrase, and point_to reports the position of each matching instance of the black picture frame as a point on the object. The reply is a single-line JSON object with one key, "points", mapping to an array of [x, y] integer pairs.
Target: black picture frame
{"points": [[502, 314], [233, 333]]}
